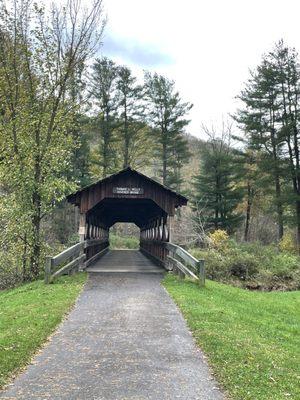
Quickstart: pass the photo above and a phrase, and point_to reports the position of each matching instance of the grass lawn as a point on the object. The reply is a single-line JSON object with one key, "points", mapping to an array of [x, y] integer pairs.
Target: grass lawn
{"points": [[252, 339], [28, 315]]}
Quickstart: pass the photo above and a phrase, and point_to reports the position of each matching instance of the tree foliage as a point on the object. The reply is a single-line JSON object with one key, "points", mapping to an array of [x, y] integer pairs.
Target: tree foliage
{"points": [[39, 52], [270, 119], [167, 115], [217, 193]]}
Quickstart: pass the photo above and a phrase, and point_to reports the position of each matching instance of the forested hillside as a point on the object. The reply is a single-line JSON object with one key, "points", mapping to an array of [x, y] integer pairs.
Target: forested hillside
{"points": [[70, 116]]}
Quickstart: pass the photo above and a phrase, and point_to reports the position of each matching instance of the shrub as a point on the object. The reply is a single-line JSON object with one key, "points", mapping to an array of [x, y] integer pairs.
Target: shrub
{"points": [[253, 266], [283, 265], [219, 239], [242, 264], [288, 243]]}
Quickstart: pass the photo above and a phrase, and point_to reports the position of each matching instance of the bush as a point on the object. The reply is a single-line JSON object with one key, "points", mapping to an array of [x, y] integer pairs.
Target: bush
{"points": [[242, 264], [252, 266], [288, 243], [219, 239]]}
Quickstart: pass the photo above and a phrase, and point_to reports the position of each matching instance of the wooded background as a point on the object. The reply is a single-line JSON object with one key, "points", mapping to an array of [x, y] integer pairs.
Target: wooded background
{"points": [[69, 117]]}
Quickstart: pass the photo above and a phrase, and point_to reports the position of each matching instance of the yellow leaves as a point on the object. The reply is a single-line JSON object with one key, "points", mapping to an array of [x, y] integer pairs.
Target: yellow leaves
{"points": [[288, 243], [219, 239]]}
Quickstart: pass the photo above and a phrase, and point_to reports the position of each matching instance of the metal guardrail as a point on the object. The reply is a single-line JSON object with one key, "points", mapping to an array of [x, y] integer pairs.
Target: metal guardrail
{"points": [[184, 264], [75, 257]]}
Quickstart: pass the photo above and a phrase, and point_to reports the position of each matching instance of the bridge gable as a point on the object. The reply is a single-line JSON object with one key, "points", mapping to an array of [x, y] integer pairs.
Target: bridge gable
{"points": [[127, 184]]}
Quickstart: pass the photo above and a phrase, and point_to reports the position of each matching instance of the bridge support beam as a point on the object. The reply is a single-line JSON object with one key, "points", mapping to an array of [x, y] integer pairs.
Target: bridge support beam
{"points": [[82, 227]]}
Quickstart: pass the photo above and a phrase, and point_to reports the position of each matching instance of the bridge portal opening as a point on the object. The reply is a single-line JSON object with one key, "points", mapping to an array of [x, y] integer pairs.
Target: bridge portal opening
{"points": [[124, 236], [127, 197]]}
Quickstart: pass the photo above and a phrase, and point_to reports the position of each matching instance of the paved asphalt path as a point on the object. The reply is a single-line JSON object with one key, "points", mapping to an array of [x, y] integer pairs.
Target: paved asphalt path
{"points": [[125, 339]]}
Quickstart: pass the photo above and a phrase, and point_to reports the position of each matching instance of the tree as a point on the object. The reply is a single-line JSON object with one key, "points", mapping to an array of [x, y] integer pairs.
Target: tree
{"points": [[217, 194], [39, 52], [166, 114], [271, 119], [180, 154], [131, 109], [284, 61], [259, 119], [104, 91]]}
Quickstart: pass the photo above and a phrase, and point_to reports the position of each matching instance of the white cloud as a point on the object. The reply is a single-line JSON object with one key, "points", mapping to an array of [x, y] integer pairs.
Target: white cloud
{"points": [[209, 45]]}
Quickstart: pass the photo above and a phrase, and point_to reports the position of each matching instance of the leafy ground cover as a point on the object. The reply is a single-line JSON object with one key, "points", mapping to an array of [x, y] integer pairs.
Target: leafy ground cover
{"points": [[123, 242], [252, 339], [28, 315], [251, 265]]}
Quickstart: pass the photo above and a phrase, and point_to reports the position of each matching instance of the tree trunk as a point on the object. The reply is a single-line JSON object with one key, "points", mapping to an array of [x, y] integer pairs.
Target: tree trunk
{"points": [[277, 184], [164, 174], [298, 224], [126, 138], [248, 213], [105, 149], [279, 206], [36, 212], [36, 240], [24, 260]]}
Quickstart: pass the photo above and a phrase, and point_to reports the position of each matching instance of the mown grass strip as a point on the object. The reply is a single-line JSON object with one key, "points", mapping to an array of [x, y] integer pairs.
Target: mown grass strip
{"points": [[28, 315], [252, 339]]}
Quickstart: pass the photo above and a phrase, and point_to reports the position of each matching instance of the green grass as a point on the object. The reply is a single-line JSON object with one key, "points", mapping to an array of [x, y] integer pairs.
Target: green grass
{"points": [[252, 339], [123, 242], [28, 315]]}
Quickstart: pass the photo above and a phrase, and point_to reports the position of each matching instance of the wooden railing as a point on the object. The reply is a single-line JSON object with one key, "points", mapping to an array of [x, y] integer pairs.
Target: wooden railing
{"points": [[184, 264], [75, 258]]}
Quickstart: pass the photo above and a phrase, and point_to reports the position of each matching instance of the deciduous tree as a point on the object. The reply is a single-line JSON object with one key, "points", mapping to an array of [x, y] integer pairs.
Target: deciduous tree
{"points": [[39, 51]]}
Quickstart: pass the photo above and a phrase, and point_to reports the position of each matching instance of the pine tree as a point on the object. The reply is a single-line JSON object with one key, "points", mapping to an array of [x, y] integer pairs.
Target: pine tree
{"points": [[131, 111], [167, 115], [271, 120], [259, 119], [217, 194], [104, 90]]}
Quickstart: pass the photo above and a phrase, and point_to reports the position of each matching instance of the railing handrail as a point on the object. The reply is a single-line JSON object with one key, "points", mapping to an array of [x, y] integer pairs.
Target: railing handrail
{"points": [[67, 253], [76, 257], [186, 257]]}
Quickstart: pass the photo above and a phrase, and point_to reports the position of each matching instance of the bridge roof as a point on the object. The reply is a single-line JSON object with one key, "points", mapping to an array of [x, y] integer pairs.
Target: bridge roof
{"points": [[127, 170], [127, 196]]}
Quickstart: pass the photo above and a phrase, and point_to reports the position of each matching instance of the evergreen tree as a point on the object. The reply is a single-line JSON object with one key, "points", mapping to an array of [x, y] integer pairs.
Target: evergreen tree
{"points": [[180, 154], [131, 111], [271, 120], [259, 119], [166, 114], [104, 91], [217, 194]]}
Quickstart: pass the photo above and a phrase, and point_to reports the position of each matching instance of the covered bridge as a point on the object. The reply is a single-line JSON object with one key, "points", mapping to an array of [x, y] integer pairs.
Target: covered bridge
{"points": [[127, 196]]}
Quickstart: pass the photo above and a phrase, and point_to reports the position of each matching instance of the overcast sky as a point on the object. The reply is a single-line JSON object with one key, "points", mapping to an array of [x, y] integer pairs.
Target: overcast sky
{"points": [[207, 47]]}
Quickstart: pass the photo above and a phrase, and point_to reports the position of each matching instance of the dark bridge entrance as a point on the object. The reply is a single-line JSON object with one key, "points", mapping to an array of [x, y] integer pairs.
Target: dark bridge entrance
{"points": [[127, 196]]}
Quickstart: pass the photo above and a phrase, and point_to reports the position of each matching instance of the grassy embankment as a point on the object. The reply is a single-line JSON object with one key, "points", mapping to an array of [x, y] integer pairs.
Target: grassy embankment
{"points": [[28, 315], [252, 339]]}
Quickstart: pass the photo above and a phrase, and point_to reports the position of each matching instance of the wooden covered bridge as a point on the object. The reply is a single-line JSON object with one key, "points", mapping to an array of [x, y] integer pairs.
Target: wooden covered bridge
{"points": [[127, 196]]}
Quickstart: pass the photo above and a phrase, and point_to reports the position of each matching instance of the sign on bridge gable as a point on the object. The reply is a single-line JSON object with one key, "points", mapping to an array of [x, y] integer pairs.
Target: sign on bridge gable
{"points": [[128, 190]]}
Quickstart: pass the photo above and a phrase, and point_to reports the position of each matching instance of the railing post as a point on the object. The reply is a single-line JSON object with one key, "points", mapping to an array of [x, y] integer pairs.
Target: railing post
{"points": [[48, 267], [201, 272], [81, 264]]}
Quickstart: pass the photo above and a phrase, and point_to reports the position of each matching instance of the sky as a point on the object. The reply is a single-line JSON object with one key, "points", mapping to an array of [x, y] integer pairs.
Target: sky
{"points": [[206, 47]]}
